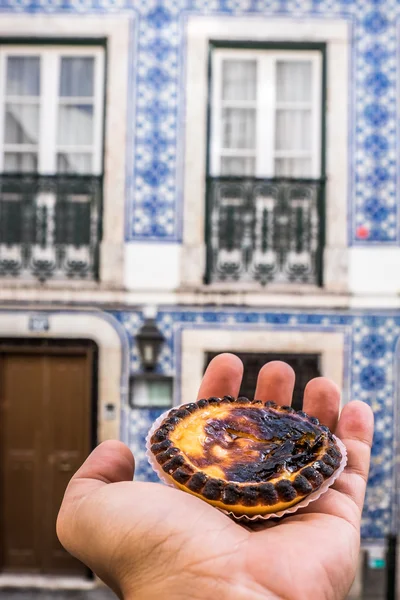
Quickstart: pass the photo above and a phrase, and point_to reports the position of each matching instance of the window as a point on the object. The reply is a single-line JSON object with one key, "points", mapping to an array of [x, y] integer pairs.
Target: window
{"points": [[266, 113], [51, 139], [264, 188], [51, 109], [151, 390], [204, 189], [305, 366]]}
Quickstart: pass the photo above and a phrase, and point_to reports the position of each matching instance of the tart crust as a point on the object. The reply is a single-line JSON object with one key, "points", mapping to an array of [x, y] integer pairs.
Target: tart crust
{"points": [[244, 456]]}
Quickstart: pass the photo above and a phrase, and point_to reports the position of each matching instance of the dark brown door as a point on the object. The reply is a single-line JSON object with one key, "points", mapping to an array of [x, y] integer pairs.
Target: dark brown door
{"points": [[306, 367], [45, 429]]}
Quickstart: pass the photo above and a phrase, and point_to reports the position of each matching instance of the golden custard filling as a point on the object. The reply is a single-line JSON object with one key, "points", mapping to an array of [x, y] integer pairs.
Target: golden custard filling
{"points": [[245, 456]]}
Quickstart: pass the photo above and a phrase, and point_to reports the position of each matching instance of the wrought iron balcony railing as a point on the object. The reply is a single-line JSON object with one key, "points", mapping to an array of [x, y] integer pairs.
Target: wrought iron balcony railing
{"points": [[264, 230], [50, 226]]}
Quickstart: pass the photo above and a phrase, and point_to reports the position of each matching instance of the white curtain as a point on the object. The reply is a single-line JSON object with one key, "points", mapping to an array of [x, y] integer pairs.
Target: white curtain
{"points": [[77, 77], [23, 76], [75, 114], [75, 125], [238, 166], [75, 118], [293, 118], [293, 81], [239, 79], [20, 162], [74, 162], [239, 85], [22, 124], [239, 128], [22, 111]]}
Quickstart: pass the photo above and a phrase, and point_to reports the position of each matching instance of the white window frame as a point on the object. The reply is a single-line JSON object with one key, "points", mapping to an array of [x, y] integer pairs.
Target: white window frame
{"points": [[117, 33], [49, 101], [265, 152], [335, 34]]}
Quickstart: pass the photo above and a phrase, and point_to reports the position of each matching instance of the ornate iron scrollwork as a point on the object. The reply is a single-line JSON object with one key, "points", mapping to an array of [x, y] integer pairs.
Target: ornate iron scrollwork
{"points": [[50, 226], [264, 230]]}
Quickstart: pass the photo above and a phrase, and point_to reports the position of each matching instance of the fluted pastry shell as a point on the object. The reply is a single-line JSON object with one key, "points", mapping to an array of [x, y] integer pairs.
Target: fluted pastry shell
{"points": [[247, 458]]}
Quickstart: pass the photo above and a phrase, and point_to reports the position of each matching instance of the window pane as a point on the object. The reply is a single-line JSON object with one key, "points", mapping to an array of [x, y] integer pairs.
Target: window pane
{"points": [[72, 221], [152, 393], [11, 225], [20, 162], [23, 76], [293, 130], [22, 124], [77, 162], [293, 81], [75, 125], [239, 79], [239, 127], [238, 166], [293, 167], [77, 76], [160, 393]]}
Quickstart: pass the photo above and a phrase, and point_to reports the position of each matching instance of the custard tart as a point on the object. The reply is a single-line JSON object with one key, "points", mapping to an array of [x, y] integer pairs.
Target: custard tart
{"points": [[245, 457]]}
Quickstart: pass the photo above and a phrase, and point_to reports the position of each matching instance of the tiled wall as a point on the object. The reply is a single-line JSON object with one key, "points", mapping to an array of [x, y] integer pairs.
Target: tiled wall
{"points": [[373, 101], [156, 114]]}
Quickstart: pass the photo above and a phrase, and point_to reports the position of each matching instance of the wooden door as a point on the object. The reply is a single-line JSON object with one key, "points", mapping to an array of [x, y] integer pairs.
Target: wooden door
{"points": [[45, 434], [306, 367]]}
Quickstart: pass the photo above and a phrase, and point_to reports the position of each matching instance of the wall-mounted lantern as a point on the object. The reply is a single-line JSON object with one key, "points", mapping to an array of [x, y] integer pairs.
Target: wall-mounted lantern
{"points": [[149, 340], [149, 389]]}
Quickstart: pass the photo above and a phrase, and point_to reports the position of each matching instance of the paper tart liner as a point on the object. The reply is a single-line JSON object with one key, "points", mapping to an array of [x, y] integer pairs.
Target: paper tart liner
{"points": [[244, 518]]}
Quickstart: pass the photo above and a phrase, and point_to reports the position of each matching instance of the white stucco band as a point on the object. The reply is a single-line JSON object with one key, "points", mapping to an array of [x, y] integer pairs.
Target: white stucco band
{"points": [[115, 29], [151, 266], [335, 34], [69, 325], [374, 270], [196, 342]]}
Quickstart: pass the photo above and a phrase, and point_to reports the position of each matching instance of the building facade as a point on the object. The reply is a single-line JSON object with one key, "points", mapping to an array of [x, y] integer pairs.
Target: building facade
{"points": [[228, 167]]}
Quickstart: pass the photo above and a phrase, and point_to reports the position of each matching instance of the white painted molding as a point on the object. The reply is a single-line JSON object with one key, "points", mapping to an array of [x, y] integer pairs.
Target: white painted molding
{"points": [[35, 298], [152, 266], [196, 342], [374, 270]]}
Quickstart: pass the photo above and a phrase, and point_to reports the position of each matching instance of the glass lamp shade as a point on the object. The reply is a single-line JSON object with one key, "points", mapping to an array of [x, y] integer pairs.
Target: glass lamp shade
{"points": [[150, 341]]}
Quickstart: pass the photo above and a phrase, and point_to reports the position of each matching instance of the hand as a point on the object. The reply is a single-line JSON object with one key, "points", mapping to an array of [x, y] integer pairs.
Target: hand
{"points": [[149, 541]]}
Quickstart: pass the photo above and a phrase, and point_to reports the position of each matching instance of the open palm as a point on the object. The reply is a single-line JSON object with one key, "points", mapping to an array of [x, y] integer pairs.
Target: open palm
{"points": [[149, 541]]}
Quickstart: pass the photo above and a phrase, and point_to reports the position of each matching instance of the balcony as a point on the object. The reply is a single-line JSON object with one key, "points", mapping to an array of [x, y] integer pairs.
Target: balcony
{"points": [[50, 226], [264, 230]]}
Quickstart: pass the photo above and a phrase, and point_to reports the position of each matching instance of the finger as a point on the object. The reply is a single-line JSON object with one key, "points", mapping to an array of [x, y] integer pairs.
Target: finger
{"points": [[110, 462], [275, 382], [222, 377], [322, 400], [355, 429]]}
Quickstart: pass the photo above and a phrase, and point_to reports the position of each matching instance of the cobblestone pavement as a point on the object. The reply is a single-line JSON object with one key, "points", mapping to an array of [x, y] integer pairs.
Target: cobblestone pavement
{"points": [[98, 594]]}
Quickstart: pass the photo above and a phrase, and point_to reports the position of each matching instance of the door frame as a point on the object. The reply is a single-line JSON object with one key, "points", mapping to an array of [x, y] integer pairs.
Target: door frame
{"points": [[54, 346], [113, 356], [112, 381]]}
